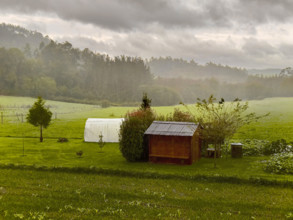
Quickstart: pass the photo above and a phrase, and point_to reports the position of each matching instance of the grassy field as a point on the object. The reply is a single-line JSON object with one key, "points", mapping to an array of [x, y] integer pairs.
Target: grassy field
{"points": [[14, 136], [57, 195], [71, 118], [53, 154], [36, 194]]}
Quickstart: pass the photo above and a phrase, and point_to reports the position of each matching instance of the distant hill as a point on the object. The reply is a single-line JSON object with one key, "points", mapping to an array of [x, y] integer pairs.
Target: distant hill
{"points": [[178, 68], [264, 72], [18, 37]]}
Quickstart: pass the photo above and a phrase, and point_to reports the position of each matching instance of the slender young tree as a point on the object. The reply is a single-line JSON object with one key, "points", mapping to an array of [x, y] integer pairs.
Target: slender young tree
{"points": [[39, 116], [221, 120]]}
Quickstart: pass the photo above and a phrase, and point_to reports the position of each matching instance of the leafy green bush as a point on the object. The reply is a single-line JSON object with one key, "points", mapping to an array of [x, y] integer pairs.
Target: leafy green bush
{"points": [[253, 147], [179, 115], [281, 163], [132, 144], [278, 146]]}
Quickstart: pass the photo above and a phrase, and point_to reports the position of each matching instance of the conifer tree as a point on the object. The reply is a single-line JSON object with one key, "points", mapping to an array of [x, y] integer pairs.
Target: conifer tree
{"points": [[39, 116]]}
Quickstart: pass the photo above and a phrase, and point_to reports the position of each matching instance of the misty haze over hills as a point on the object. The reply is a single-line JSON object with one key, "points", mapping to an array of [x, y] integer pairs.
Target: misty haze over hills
{"points": [[59, 71], [12, 36], [265, 72]]}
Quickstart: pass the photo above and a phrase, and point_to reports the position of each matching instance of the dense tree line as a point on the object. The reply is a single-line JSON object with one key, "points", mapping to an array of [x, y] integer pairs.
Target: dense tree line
{"points": [[59, 71], [173, 68]]}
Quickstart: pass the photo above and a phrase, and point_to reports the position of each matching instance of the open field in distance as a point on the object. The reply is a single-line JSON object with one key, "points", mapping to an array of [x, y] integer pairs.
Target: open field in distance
{"points": [[71, 117]]}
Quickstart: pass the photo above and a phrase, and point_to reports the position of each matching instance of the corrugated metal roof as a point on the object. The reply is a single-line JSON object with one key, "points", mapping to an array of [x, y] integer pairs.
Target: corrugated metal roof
{"points": [[171, 128]]}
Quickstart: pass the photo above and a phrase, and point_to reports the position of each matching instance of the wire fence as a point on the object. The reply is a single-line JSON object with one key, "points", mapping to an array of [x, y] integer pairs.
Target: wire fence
{"points": [[17, 117], [14, 125], [16, 113], [13, 117]]}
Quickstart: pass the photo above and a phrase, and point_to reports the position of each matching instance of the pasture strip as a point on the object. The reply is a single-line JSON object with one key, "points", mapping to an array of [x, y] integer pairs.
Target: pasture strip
{"points": [[31, 194], [155, 175]]}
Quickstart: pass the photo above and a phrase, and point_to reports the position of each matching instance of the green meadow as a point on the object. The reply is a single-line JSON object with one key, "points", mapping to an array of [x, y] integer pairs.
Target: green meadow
{"points": [[69, 118], [27, 194], [49, 181]]}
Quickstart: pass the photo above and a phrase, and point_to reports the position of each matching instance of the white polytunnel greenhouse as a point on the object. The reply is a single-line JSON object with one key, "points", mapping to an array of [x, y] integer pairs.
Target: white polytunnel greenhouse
{"points": [[108, 127]]}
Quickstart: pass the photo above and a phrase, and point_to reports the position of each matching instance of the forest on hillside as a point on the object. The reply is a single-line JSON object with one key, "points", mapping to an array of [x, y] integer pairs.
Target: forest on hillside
{"points": [[59, 71], [168, 67]]}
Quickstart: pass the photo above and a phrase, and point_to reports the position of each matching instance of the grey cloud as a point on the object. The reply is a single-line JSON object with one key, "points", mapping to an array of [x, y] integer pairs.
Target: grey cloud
{"points": [[287, 50], [136, 14], [254, 47], [115, 14], [263, 11]]}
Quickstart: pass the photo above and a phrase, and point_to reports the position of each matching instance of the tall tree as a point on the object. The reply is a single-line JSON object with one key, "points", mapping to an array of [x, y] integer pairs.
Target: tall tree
{"points": [[39, 115]]}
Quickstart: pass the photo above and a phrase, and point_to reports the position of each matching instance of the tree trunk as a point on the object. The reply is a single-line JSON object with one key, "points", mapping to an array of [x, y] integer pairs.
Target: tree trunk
{"points": [[227, 148], [215, 156], [41, 133]]}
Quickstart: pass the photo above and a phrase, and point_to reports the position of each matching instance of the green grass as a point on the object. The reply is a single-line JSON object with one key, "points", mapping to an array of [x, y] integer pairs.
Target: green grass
{"points": [[71, 125], [52, 195], [279, 124], [53, 154], [71, 118], [225, 193]]}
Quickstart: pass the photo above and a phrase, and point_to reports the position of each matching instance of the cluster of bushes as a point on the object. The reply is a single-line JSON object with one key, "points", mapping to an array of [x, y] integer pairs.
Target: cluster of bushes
{"points": [[256, 147], [281, 163], [278, 146], [280, 151]]}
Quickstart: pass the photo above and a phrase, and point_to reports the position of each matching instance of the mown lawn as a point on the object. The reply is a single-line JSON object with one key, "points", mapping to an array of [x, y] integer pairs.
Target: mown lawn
{"points": [[53, 154], [26, 194]]}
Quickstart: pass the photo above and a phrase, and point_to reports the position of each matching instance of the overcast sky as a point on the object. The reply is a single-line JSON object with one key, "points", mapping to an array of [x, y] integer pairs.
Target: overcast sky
{"points": [[244, 33]]}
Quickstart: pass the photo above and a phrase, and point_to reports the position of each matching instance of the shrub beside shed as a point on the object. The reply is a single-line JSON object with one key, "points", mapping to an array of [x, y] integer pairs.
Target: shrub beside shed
{"points": [[173, 142]]}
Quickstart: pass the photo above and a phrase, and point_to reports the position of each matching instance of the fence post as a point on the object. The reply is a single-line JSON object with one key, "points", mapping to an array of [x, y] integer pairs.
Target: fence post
{"points": [[1, 117], [21, 118], [55, 115]]}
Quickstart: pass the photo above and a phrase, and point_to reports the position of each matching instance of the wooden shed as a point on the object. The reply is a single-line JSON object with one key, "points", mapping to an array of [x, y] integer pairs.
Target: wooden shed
{"points": [[173, 142]]}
